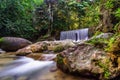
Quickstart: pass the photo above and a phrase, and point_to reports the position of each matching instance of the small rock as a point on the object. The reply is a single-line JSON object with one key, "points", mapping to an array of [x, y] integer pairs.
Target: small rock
{"points": [[48, 57], [2, 52]]}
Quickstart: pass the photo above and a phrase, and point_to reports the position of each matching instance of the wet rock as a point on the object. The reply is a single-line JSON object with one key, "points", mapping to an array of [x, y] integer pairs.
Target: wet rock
{"points": [[34, 48], [35, 56], [42, 57], [87, 60], [46, 46], [13, 43], [1, 51], [48, 57]]}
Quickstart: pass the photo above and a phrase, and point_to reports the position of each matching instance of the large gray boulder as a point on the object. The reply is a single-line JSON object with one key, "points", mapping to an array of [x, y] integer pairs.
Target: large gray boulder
{"points": [[13, 43]]}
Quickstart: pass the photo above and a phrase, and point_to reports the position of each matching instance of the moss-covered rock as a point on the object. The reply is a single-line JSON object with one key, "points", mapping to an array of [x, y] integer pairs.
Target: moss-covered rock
{"points": [[87, 60], [101, 40], [114, 45]]}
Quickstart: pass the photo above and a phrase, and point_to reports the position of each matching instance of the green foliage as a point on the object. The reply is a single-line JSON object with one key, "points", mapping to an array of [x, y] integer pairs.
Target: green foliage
{"points": [[91, 17], [109, 4], [104, 66], [66, 15], [38, 2], [98, 41], [113, 45], [1, 40], [58, 48], [97, 33], [60, 59], [117, 13], [16, 18], [117, 28]]}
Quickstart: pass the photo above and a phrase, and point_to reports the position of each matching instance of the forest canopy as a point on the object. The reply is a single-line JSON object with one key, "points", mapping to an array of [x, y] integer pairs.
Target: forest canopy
{"points": [[34, 18]]}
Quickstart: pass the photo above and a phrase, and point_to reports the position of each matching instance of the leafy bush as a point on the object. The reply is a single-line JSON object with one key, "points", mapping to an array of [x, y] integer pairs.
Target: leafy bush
{"points": [[117, 13], [16, 18], [109, 4]]}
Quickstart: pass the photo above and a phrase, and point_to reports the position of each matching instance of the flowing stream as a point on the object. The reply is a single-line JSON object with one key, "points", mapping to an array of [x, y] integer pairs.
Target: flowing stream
{"points": [[24, 68]]}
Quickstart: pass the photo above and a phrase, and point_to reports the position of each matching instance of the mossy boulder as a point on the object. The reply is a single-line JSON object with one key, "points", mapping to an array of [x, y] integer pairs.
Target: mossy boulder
{"points": [[13, 43], [87, 60]]}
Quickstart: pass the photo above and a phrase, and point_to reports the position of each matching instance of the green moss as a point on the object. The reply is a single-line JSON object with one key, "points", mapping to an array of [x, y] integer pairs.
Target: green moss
{"points": [[110, 44], [117, 27], [97, 33], [58, 48], [60, 59], [105, 67], [113, 45], [1, 39], [95, 40], [98, 42]]}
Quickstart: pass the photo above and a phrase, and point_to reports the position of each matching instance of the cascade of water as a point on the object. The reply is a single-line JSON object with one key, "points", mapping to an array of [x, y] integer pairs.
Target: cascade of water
{"points": [[84, 34], [29, 69], [77, 35]]}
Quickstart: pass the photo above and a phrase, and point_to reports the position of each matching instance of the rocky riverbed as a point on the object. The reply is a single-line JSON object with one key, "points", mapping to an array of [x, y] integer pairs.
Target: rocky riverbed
{"points": [[51, 75], [95, 58]]}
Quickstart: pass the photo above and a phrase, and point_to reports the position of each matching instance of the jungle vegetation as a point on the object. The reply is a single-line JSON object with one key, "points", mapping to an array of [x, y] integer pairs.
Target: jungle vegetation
{"points": [[32, 19]]}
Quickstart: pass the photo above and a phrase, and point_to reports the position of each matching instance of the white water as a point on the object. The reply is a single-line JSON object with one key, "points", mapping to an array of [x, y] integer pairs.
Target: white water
{"points": [[27, 67], [75, 35]]}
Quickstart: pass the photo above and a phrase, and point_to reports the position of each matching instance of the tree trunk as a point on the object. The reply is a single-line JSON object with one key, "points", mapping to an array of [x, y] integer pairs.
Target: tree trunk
{"points": [[105, 24]]}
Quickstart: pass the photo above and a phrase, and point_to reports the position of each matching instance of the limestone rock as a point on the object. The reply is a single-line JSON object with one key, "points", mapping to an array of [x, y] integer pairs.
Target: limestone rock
{"points": [[47, 46], [13, 43], [33, 48]]}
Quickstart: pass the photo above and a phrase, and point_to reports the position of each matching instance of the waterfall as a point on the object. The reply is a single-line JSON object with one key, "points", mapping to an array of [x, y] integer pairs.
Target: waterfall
{"points": [[75, 35], [27, 67]]}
